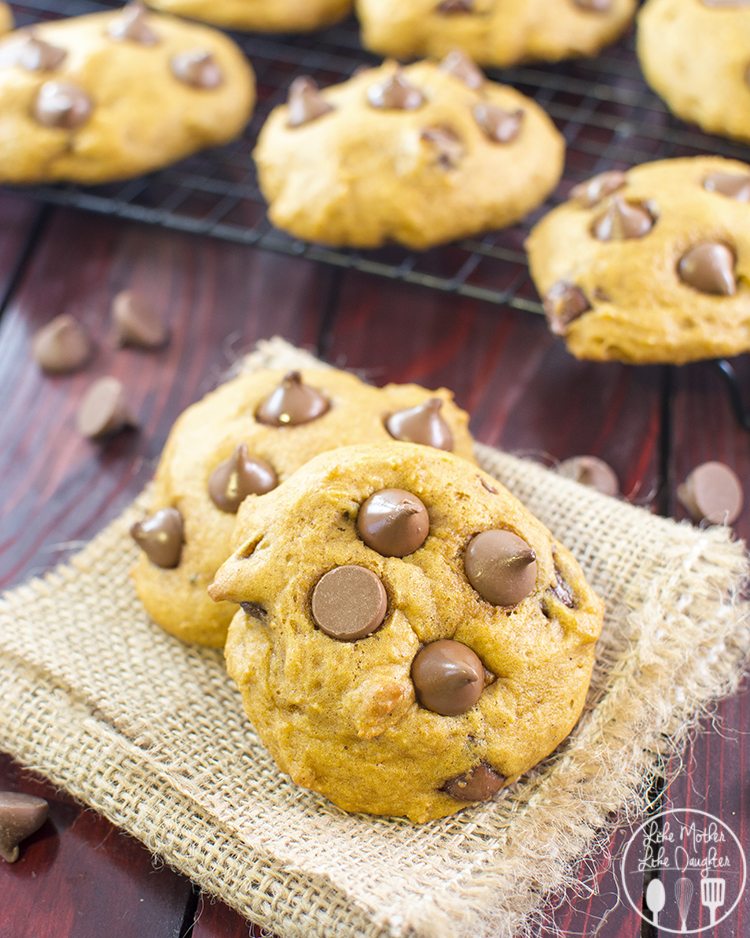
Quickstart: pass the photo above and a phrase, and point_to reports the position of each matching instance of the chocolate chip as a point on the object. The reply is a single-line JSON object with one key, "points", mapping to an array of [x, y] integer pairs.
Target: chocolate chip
{"points": [[33, 54], [20, 816], [622, 221], [501, 567], [448, 7], [292, 403], [712, 492], [161, 537], [563, 303], [458, 64], [393, 522], [421, 424], [733, 185], [239, 476], [136, 322], [305, 102], [591, 192], [490, 488], [446, 143], [349, 603], [709, 268], [594, 6], [197, 68], [591, 471], [562, 590], [448, 677], [132, 25], [255, 611], [499, 125], [62, 346], [104, 409], [395, 93], [62, 105], [479, 784]]}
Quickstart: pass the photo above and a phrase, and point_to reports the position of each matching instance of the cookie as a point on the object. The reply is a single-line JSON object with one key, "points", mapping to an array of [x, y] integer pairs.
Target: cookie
{"points": [[411, 638], [6, 18], [246, 437], [260, 15], [493, 32], [113, 95], [650, 265], [695, 54], [419, 155]]}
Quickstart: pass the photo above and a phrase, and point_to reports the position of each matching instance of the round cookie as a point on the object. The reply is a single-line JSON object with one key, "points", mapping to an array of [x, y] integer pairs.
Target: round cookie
{"points": [[650, 265], [260, 15], [282, 421], [6, 18], [493, 32], [419, 155], [695, 54], [400, 685], [113, 95]]}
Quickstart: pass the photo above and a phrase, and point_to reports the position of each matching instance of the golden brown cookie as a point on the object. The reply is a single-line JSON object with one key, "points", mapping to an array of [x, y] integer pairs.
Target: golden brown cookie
{"points": [[245, 437], [260, 15], [419, 155], [113, 95], [412, 639], [695, 54], [650, 265], [6, 18], [493, 32]]}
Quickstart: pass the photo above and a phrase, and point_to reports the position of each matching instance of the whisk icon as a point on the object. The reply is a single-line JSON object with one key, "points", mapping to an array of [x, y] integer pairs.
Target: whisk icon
{"points": [[683, 893]]}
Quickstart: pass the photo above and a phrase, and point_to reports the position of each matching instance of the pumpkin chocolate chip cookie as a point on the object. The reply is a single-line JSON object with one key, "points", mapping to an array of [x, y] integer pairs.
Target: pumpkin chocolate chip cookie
{"points": [[245, 438], [419, 155], [411, 638], [260, 15], [113, 95], [650, 265]]}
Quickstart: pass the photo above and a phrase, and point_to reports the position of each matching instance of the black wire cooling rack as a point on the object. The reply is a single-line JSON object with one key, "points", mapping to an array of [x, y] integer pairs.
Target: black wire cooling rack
{"points": [[602, 106]]}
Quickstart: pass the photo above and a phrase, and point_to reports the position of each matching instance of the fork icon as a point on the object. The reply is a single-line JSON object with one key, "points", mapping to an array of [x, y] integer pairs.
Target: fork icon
{"points": [[713, 890]]}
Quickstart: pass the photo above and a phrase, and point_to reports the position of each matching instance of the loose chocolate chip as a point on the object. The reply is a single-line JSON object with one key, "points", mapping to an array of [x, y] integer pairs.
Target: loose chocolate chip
{"points": [[421, 424], [712, 492], [62, 346], [594, 6], [349, 603], [305, 102], [448, 7], [132, 25], [709, 268], [33, 54], [20, 816], [62, 105], [733, 185], [161, 537], [499, 125], [501, 567], [104, 409], [197, 68], [591, 471], [239, 476], [479, 784], [446, 144], [448, 677], [255, 611], [591, 192], [621, 221], [395, 93], [458, 64], [563, 304], [136, 322], [292, 403], [393, 522]]}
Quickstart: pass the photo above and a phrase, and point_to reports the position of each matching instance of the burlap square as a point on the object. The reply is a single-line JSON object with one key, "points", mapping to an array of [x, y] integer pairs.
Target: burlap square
{"points": [[151, 733]]}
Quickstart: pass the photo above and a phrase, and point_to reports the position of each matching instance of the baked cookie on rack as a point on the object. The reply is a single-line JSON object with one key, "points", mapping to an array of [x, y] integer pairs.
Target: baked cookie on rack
{"points": [[695, 54], [113, 95], [6, 18], [417, 155], [245, 438], [493, 32], [650, 265], [411, 639], [260, 15]]}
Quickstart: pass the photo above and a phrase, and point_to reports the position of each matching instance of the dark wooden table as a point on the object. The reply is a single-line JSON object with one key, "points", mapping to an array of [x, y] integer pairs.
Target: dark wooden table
{"points": [[81, 878]]}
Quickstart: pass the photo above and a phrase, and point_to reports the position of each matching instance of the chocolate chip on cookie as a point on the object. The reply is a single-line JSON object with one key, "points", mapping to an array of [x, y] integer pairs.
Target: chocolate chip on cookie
{"points": [[712, 492], [594, 6], [132, 25], [501, 567], [479, 784], [197, 68], [591, 471], [34, 54], [562, 590], [136, 322], [563, 304], [590, 193], [733, 185], [292, 403], [395, 93], [62, 346], [349, 603], [448, 7], [458, 64], [709, 268], [62, 105], [104, 410], [393, 522], [448, 677], [161, 537], [305, 102], [421, 424], [622, 220], [447, 145], [498, 125], [239, 476]]}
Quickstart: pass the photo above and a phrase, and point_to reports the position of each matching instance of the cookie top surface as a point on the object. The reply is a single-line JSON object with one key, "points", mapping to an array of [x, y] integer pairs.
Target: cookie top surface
{"points": [[412, 684], [260, 15], [696, 55], [650, 265], [493, 32], [419, 155], [244, 438], [113, 95]]}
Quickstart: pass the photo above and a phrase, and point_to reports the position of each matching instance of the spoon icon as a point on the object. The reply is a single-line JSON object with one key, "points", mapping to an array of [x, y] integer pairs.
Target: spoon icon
{"points": [[655, 899]]}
